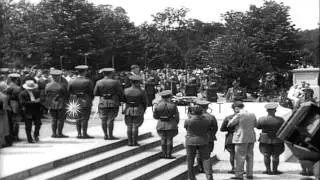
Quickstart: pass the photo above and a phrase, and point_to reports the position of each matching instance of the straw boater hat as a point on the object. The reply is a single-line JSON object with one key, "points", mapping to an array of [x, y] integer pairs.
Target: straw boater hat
{"points": [[30, 85]]}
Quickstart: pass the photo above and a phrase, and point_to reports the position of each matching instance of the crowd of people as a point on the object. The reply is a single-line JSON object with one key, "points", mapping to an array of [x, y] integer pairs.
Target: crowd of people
{"points": [[26, 95]]}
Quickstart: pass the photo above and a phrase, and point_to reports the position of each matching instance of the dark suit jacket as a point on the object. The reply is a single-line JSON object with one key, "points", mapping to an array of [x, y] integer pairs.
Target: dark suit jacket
{"points": [[26, 104]]}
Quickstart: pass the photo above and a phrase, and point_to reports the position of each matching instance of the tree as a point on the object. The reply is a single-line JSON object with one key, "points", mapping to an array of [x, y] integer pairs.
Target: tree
{"points": [[271, 31], [233, 58]]}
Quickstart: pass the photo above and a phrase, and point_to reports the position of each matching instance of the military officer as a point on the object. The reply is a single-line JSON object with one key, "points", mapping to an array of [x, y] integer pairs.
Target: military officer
{"points": [[56, 93], [236, 93], [168, 118], [110, 93], [15, 117], [197, 127], [136, 104], [150, 88], [270, 145], [212, 129], [81, 93]]}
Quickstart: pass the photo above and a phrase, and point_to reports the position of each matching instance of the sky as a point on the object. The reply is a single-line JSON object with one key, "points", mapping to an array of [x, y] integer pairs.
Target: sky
{"points": [[304, 13]]}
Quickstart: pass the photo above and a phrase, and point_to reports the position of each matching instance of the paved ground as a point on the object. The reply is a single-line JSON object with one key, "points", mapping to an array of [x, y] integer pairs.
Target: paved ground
{"points": [[219, 110]]}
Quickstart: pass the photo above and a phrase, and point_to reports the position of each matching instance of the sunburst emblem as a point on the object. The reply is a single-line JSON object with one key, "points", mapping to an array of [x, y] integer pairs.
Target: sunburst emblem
{"points": [[73, 108]]}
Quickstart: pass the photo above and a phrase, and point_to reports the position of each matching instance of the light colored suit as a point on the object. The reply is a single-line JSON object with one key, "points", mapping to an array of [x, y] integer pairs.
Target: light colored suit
{"points": [[243, 137], [244, 124]]}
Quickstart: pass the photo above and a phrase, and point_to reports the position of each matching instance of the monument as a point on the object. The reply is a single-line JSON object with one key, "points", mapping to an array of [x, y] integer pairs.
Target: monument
{"points": [[309, 75]]}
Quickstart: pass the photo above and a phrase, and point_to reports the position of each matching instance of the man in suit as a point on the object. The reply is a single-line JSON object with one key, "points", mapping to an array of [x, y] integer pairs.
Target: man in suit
{"points": [[56, 93], [81, 92], [110, 93], [168, 118], [243, 137], [270, 145], [30, 104], [229, 145], [136, 104]]}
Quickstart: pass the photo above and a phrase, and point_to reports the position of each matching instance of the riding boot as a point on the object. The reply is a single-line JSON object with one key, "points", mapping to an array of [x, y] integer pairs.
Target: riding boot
{"points": [[60, 128], [275, 164], [169, 150], [78, 124], [105, 130], [164, 150], [129, 133], [207, 167], [267, 164], [85, 129], [110, 129], [200, 164], [54, 128], [135, 132]]}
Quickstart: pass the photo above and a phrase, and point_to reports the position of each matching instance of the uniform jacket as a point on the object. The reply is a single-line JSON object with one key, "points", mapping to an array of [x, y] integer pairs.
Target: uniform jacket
{"points": [[30, 108], [56, 94], [167, 114], [244, 123], [81, 88], [229, 130], [191, 89], [13, 92], [269, 126], [110, 92], [213, 128], [136, 101], [197, 127]]}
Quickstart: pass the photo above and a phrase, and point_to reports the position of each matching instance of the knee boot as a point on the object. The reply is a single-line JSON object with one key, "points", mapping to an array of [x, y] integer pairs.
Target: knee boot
{"points": [[78, 125], [164, 148], [60, 128], [135, 133], [207, 167], [110, 129], [129, 134], [200, 164], [28, 128], [267, 164], [16, 132], [169, 149], [54, 128], [275, 164], [105, 130], [85, 129]]}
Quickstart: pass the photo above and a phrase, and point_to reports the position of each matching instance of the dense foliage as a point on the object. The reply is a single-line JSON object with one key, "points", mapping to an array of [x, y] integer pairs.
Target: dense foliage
{"points": [[62, 33]]}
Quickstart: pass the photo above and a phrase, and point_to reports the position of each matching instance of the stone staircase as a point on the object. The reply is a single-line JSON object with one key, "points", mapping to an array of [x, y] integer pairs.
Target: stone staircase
{"points": [[115, 160]]}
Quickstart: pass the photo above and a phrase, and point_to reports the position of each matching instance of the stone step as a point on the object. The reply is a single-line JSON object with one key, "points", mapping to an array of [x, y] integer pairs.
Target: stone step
{"points": [[61, 160], [179, 172], [93, 162], [128, 164], [156, 167]]}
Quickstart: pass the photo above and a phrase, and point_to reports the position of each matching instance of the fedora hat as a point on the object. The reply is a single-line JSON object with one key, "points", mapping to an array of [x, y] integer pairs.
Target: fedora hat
{"points": [[30, 85]]}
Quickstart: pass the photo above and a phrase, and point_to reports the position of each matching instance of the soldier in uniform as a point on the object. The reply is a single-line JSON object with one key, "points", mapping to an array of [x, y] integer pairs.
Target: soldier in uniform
{"points": [[212, 129], [81, 92], [110, 93], [30, 104], [136, 104], [168, 118], [236, 93], [56, 93], [229, 146], [212, 92], [150, 88], [270, 145], [197, 127], [15, 117]]}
